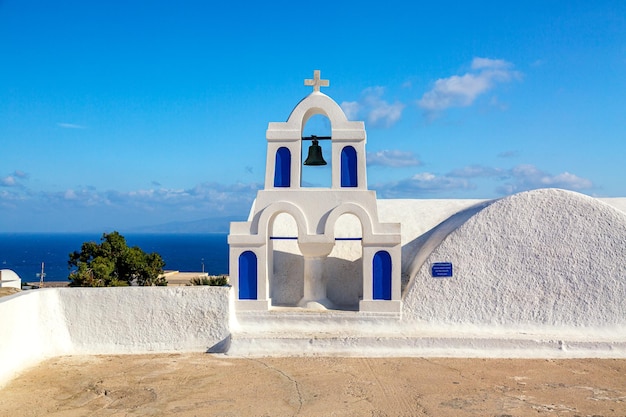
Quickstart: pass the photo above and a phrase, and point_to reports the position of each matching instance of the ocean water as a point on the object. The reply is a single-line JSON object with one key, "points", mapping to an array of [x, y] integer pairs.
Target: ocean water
{"points": [[24, 252]]}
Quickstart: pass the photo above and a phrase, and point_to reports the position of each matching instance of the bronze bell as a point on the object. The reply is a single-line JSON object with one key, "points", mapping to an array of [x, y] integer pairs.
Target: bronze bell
{"points": [[315, 154]]}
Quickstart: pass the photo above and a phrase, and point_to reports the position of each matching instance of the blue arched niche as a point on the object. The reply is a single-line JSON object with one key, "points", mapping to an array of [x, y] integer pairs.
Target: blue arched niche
{"points": [[247, 276], [382, 275], [282, 168], [348, 167]]}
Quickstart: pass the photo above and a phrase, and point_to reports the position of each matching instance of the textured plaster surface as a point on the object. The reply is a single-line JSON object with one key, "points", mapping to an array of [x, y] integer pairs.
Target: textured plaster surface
{"points": [[66, 321], [616, 202], [537, 274], [10, 279], [426, 224], [145, 319], [549, 258]]}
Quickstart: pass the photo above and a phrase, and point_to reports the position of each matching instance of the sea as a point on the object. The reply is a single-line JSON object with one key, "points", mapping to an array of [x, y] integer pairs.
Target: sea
{"points": [[24, 252]]}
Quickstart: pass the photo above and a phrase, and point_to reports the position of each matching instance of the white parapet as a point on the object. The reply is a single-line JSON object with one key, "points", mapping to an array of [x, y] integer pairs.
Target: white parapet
{"points": [[50, 322], [381, 306], [9, 279]]}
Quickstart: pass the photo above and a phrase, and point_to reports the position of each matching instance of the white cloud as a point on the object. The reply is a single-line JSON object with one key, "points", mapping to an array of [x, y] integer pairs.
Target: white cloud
{"points": [[505, 181], [455, 91], [422, 184], [375, 110], [393, 158], [430, 182], [204, 197], [12, 180], [528, 177], [351, 109], [480, 63], [567, 180], [474, 171], [8, 181], [70, 126], [70, 198], [10, 200], [463, 90], [524, 177], [70, 195]]}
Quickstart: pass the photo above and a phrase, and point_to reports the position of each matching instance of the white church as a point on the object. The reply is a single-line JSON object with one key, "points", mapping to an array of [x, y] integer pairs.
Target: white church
{"points": [[539, 269]]}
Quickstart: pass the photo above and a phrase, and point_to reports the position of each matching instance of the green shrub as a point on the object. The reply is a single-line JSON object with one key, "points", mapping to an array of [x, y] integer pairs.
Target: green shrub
{"points": [[214, 280]]}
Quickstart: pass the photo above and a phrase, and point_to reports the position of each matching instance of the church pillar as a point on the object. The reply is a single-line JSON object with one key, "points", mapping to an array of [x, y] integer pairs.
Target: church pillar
{"points": [[315, 255]]}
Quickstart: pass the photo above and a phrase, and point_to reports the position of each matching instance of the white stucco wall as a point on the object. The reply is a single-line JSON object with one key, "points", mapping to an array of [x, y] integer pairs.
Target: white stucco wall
{"points": [[9, 278], [63, 321], [545, 258], [538, 274], [343, 269], [424, 223]]}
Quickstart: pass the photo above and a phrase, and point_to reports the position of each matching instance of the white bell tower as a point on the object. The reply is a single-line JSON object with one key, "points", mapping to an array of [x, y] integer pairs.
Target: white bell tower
{"points": [[315, 212]]}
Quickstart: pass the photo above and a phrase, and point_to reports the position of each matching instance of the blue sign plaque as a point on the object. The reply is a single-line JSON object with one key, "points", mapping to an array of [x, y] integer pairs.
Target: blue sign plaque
{"points": [[441, 270]]}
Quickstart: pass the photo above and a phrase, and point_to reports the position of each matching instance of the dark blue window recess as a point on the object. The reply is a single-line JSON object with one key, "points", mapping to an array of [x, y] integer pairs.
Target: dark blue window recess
{"points": [[382, 275], [247, 276], [348, 167], [282, 169]]}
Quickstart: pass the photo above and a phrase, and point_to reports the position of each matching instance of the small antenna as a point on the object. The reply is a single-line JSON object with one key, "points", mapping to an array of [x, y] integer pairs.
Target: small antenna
{"points": [[41, 276]]}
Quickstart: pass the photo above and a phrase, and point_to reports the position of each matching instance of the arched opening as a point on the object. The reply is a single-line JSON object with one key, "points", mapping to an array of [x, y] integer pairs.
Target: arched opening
{"points": [[348, 167], [343, 268], [317, 176], [382, 275], [248, 276], [286, 264], [282, 168]]}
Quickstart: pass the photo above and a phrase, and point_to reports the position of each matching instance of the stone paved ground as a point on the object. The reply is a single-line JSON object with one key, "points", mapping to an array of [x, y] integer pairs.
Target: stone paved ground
{"points": [[215, 385]]}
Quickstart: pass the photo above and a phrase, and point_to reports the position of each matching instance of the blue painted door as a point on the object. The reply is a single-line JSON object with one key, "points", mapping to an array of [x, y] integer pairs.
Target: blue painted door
{"points": [[382, 275], [282, 168], [247, 276], [348, 167]]}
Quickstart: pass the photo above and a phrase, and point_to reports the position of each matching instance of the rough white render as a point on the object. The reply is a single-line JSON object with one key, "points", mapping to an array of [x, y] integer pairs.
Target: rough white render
{"points": [[9, 278], [38, 324], [547, 258], [538, 274]]}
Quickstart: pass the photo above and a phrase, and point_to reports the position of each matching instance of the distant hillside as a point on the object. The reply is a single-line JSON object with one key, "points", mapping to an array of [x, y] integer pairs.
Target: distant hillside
{"points": [[210, 225]]}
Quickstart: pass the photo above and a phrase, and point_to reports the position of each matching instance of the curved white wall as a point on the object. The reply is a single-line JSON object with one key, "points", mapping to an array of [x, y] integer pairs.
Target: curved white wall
{"points": [[549, 258], [64, 321]]}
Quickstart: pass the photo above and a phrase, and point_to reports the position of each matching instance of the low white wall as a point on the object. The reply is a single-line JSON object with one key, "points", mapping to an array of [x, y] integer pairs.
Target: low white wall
{"points": [[64, 321], [9, 278]]}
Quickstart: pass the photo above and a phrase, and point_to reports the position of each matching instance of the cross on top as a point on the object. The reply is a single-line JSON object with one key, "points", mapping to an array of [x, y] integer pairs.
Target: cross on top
{"points": [[316, 82]]}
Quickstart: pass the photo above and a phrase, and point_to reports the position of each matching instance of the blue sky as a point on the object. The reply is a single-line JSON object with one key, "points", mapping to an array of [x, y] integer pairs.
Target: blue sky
{"points": [[119, 114]]}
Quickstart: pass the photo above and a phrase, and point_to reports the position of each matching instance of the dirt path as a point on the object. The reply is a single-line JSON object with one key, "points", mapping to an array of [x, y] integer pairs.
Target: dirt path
{"points": [[207, 385]]}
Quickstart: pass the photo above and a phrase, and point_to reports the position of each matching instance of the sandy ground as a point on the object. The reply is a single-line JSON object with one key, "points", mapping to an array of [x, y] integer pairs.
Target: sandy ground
{"points": [[216, 385], [8, 291]]}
